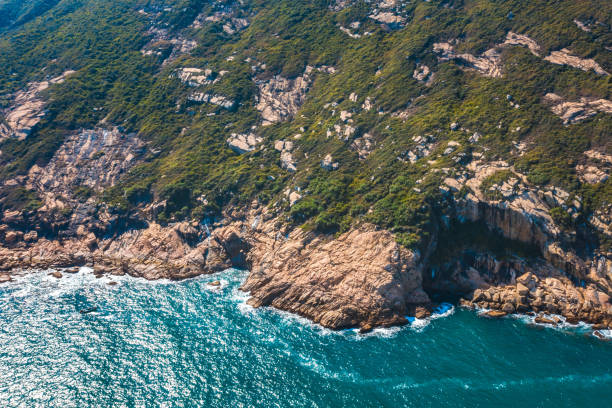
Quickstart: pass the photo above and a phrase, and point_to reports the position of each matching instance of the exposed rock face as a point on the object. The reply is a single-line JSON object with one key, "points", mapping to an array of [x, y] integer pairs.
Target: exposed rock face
{"points": [[591, 174], [214, 99], [158, 252], [91, 158], [488, 64], [164, 43], [227, 13], [421, 73], [596, 169], [26, 109], [243, 143], [286, 157], [363, 146], [584, 27], [522, 40], [602, 219], [523, 213], [423, 147], [362, 279], [280, 98], [565, 57], [198, 77], [550, 295], [389, 18], [155, 252], [574, 112], [328, 163]]}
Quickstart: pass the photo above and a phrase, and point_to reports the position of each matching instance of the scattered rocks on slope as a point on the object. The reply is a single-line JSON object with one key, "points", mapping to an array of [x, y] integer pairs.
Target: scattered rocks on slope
{"points": [[423, 148], [163, 42], [328, 163], [286, 157], [363, 145], [198, 77], [214, 99], [421, 73]]}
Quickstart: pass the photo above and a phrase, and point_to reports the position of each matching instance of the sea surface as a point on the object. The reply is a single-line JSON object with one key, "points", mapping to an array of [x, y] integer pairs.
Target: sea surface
{"points": [[187, 344]]}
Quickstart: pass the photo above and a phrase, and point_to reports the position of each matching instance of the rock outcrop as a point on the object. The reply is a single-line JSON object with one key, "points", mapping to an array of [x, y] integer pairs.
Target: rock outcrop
{"points": [[577, 111], [92, 158], [26, 109], [488, 64], [550, 295], [565, 57], [286, 157], [280, 98], [361, 279], [243, 143]]}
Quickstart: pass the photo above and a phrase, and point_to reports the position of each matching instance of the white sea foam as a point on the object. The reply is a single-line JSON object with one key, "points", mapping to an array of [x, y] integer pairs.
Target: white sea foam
{"points": [[607, 334], [563, 325]]}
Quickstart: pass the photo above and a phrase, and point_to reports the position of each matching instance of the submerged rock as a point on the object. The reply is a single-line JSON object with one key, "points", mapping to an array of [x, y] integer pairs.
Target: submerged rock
{"points": [[495, 314]]}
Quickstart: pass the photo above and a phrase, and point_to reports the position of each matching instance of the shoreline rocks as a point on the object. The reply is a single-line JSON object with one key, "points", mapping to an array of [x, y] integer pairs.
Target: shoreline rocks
{"points": [[362, 278]]}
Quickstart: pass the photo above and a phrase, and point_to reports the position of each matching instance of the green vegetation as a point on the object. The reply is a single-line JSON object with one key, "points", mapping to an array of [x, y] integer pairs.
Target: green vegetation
{"points": [[189, 164], [495, 180]]}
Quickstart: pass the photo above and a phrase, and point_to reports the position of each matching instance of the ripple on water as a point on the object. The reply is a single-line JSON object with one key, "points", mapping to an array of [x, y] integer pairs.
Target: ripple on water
{"points": [[189, 343]]}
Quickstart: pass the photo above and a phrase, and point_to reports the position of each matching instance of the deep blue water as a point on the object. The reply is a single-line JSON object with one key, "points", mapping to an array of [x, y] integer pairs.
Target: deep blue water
{"points": [[168, 344]]}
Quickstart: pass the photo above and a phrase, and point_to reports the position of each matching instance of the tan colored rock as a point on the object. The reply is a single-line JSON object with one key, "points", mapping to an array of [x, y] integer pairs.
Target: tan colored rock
{"points": [[565, 57], [522, 290], [545, 320], [508, 308], [522, 40], [361, 278], [576, 111], [280, 98], [243, 143], [26, 109], [495, 314], [488, 64]]}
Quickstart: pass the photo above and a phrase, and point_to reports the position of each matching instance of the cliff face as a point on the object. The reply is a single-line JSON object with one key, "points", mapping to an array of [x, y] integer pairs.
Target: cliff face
{"points": [[362, 278]]}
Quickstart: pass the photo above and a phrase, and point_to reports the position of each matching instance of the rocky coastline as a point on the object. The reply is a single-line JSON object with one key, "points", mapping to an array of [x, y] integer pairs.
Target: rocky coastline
{"points": [[359, 279]]}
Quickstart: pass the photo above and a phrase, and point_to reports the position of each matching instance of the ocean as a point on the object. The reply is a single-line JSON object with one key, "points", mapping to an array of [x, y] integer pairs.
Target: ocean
{"points": [[189, 344]]}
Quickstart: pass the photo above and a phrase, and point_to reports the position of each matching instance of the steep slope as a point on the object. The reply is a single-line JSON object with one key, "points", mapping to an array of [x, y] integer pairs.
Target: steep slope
{"points": [[475, 135]]}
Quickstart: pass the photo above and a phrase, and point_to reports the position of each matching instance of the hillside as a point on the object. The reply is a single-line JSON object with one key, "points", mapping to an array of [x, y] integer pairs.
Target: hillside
{"points": [[468, 144]]}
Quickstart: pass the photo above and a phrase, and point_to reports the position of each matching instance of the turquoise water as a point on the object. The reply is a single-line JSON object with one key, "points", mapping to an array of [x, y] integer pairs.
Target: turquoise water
{"points": [[168, 344]]}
